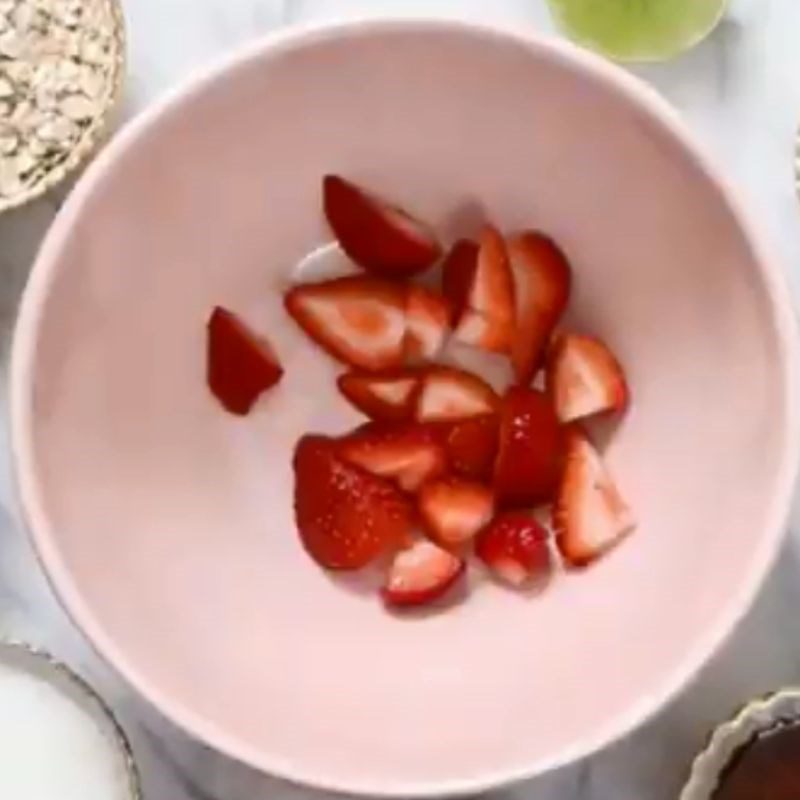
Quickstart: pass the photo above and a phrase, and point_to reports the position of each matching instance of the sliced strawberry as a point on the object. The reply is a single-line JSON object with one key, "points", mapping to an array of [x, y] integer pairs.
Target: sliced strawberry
{"points": [[448, 393], [458, 274], [471, 446], [584, 378], [542, 279], [239, 364], [427, 323], [492, 289], [482, 332], [387, 396], [378, 236], [408, 454], [488, 322], [453, 510], [420, 574], [530, 457], [357, 319], [589, 515], [345, 516], [514, 547]]}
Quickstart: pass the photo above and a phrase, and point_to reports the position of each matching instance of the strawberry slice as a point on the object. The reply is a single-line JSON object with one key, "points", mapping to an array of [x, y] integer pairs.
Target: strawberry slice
{"points": [[448, 393], [583, 378], [492, 289], [488, 322], [427, 323], [458, 274], [542, 279], [514, 547], [589, 515], [482, 332], [239, 364], [453, 510], [471, 446], [387, 396], [421, 574], [378, 236], [357, 319], [408, 454], [345, 516], [530, 457]]}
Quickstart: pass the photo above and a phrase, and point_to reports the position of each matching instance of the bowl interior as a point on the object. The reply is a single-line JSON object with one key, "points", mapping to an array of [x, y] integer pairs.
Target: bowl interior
{"points": [[166, 524]]}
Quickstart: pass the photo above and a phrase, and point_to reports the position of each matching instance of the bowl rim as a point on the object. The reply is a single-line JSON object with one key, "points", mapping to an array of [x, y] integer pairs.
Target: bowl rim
{"points": [[272, 45]]}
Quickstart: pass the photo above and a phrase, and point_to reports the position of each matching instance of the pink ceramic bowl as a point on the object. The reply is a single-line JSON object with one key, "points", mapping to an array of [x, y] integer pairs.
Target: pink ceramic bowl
{"points": [[166, 524]]}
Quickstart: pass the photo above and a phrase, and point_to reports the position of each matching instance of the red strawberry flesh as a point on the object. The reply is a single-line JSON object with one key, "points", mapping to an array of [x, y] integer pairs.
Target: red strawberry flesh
{"points": [[542, 281], [458, 273], [358, 320], [240, 365], [514, 547], [530, 457], [471, 446], [488, 321], [378, 236], [408, 454], [345, 516]]}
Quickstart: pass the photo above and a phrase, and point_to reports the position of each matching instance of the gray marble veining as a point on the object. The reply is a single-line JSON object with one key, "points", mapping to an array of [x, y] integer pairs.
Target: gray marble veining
{"points": [[740, 92]]}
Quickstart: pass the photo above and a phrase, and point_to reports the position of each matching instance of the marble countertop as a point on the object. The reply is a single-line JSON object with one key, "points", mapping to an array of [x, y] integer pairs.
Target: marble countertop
{"points": [[740, 92]]}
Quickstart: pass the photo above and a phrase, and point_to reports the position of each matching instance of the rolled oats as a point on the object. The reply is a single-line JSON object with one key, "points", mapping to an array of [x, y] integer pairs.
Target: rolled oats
{"points": [[59, 70], [9, 142]]}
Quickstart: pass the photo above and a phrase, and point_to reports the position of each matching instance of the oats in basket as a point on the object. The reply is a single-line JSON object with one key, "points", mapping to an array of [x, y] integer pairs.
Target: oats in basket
{"points": [[58, 63]]}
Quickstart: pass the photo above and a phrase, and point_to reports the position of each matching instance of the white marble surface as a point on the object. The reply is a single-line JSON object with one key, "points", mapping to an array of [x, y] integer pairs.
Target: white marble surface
{"points": [[740, 92]]}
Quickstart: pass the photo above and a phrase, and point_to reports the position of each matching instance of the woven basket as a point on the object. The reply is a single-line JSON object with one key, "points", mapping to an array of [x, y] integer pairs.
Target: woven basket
{"points": [[98, 128]]}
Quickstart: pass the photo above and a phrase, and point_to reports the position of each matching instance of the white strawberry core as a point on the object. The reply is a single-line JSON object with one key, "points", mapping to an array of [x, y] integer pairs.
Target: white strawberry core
{"points": [[420, 567], [416, 470], [581, 391], [426, 331], [459, 516], [602, 516], [444, 398], [473, 329], [409, 467], [510, 571], [394, 392]]}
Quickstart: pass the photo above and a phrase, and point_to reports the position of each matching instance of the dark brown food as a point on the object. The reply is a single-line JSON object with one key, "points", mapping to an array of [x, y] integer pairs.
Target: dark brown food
{"points": [[767, 768]]}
